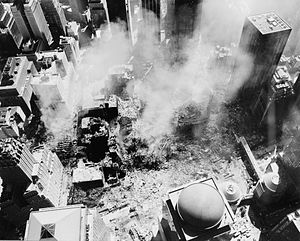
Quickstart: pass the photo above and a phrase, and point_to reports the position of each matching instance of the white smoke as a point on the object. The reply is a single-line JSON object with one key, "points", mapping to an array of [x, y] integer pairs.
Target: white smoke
{"points": [[218, 22]]}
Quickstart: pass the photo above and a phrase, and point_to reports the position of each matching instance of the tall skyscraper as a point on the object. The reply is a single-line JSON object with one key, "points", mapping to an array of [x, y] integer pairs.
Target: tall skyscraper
{"points": [[263, 39], [55, 17], [186, 17], [17, 10], [146, 18], [116, 10], [31, 21], [10, 36], [151, 15], [37, 21], [134, 17], [99, 12]]}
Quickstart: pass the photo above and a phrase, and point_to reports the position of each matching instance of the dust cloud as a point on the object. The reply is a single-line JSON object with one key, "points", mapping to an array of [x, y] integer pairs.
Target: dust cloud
{"points": [[191, 77]]}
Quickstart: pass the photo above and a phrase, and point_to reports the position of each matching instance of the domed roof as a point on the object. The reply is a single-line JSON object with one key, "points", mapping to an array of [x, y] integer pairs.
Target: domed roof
{"points": [[271, 180], [231, 191], [201, 206]]}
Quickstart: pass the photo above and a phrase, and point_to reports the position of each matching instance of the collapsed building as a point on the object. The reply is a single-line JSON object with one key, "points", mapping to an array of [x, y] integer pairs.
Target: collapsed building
{"points": [[191, 116], [119, 81], [87, 175], [96, 127]]}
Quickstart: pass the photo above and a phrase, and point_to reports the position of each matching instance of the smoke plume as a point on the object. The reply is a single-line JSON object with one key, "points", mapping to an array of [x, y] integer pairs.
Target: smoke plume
{"points": [[191, 77]]}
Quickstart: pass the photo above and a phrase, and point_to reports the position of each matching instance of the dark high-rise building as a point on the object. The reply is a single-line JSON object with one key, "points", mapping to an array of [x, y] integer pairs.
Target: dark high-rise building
{"points": [[99, 13], [78, 7], [10, 37], [186, 17], [263, 39], [116, 10], [55, 17]]}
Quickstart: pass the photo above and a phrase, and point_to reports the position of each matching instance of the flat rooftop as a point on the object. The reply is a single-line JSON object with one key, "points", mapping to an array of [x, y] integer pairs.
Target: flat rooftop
{"points": [[268, 23]]}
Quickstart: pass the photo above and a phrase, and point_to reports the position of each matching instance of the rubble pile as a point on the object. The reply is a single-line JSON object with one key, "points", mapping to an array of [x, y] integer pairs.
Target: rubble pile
{"points": [[118, 82], [189, 114], [143, 152], [129, 108], [65, 149], [153, 166], [96, 134]]}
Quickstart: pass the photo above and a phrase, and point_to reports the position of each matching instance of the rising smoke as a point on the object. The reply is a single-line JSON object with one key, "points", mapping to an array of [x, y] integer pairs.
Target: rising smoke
{"points": [[219, 22]]}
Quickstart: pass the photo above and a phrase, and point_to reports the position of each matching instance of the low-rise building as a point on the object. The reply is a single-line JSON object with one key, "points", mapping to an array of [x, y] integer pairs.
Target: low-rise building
{"points": [[88, 175], [198, 211], [51, 84], [74, 222]]}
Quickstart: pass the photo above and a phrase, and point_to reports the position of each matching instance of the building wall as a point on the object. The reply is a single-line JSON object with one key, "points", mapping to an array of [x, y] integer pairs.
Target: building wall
{"points": [[8, 23], [71, 48], [20, 22], [8, 47], [50, 175], [15, 89], [186, 20], [55, 17], [37, 21]]}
